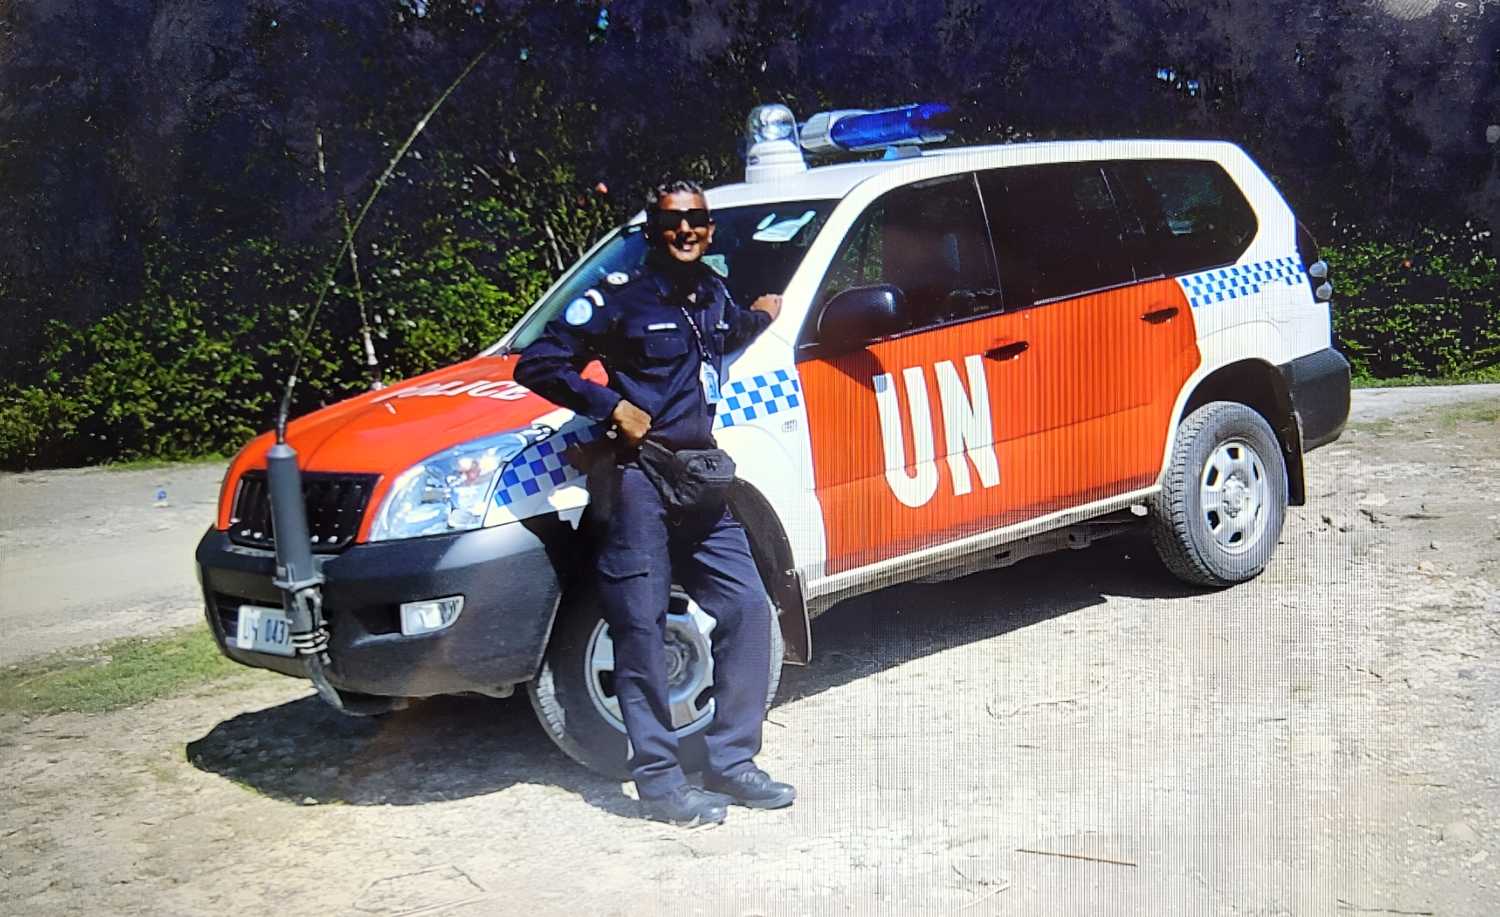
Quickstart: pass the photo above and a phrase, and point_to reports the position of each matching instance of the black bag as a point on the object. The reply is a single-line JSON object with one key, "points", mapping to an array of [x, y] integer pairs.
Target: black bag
{"points": [[689, 480]]}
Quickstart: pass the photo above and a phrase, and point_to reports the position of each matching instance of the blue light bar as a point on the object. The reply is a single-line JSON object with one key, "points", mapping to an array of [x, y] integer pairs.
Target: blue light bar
{"points": [[922, 123]]}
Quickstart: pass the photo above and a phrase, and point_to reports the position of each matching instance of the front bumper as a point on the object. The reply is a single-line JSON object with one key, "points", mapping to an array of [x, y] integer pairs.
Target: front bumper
{"points": [[505, 574], [1319, 388]]}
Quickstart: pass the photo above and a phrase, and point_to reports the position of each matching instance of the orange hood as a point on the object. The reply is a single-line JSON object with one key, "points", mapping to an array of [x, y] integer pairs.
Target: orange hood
{"points": [[388, 431]]}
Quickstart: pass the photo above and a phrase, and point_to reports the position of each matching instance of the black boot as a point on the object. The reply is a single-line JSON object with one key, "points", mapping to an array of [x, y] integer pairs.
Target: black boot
{"points": [[753, 788], [685, 807]]}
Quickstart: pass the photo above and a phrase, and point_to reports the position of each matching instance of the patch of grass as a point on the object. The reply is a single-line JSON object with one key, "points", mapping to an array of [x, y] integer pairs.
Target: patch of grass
{"points": [[1489, 375], [152, 464], [1446, 417], [121, 673], [1480, 412], [1376, 427]]}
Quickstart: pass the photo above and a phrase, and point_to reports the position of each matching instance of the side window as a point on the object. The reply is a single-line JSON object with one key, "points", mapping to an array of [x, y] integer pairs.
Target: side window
{"points": [[1057, 231], [1194, 215], [929, 239]]}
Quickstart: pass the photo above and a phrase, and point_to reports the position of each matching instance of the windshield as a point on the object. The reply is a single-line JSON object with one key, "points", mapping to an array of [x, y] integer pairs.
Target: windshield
{"points": [[755, 250]]}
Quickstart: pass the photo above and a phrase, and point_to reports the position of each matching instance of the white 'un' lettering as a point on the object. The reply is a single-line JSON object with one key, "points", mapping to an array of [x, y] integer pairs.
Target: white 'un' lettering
{"points": [[967, 427]]}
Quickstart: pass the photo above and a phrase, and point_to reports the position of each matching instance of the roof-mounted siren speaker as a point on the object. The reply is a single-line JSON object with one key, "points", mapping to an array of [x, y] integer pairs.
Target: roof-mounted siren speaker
{"points": [[902, 129], [771, 131]]}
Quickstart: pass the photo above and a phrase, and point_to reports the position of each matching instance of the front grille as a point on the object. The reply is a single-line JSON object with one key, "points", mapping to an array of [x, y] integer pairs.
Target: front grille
{"points": [[335, 505]]}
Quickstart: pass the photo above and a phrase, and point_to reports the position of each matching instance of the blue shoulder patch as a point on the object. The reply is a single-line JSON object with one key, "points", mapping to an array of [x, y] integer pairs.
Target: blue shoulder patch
{"points": [[579, 312]]}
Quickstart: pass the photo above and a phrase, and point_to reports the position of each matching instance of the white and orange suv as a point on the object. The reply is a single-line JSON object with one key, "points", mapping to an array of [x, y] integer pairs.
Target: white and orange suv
{"points": [[983, 353]]}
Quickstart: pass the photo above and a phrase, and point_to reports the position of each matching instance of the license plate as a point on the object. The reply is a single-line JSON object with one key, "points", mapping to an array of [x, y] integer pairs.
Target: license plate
{"points": [[264, 630]]}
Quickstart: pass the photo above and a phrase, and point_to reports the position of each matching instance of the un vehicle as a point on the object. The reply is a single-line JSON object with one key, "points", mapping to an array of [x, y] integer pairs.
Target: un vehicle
{"points": [[983, 353]]}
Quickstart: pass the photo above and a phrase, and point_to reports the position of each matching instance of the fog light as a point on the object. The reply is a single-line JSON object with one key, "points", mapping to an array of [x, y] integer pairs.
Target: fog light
{"points": [[433, 614]]}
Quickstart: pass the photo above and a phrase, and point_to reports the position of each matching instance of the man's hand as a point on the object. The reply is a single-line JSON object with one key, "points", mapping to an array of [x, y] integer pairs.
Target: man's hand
{"points": [[633, 423], [769, 304]]}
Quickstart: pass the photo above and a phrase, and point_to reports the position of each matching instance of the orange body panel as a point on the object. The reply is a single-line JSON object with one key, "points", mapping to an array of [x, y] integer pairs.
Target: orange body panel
{"points": [[1081, 413], [388, 431]]}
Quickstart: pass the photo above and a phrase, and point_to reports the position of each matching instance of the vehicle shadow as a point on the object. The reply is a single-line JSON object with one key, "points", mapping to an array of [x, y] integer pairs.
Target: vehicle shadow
{"points": [[439, 749], [458, 747], [870, 633]]}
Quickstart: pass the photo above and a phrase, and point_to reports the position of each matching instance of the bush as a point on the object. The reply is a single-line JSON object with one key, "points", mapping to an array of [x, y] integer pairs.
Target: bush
{"points": [[1426, 307], [30, 418], [450, 289], [163, 379], [197, 363]]}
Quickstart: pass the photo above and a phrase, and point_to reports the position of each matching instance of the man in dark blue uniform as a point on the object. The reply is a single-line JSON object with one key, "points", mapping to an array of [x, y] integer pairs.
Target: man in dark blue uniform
{"points": [[662, 335]]}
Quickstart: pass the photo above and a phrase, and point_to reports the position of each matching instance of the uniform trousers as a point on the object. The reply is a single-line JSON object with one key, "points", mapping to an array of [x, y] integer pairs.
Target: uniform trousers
{"points": [[641, 552]]}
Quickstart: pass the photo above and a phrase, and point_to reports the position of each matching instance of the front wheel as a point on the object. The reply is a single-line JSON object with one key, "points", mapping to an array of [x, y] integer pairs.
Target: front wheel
{"points": [[573, 694], [1219, 514]]}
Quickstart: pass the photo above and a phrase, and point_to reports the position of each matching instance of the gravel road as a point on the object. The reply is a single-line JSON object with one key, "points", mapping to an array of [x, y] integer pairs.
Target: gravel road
{"points": [[1075, 734], [89, 554]]}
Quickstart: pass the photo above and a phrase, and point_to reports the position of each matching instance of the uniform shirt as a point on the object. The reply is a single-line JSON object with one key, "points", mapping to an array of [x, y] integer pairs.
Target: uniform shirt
{"points": [[634, 325]]}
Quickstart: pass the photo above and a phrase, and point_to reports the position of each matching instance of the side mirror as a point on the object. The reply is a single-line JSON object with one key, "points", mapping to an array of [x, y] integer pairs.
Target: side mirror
{"points": [[861, 314]]}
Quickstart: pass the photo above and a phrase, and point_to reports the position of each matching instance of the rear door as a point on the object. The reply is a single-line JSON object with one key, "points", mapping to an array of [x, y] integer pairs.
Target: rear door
{"points": [[1112, 345]]}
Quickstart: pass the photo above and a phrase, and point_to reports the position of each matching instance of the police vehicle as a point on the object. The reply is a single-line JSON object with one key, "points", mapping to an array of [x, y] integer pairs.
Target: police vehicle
{"points": [[984, 353]]}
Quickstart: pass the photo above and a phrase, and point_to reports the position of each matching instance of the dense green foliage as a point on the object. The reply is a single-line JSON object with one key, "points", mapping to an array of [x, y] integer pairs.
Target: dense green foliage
{"points": [[195, 365], [1428, 306]]}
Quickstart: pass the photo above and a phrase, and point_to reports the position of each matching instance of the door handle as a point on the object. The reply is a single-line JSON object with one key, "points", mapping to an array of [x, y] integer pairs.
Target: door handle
{"points": [[1007, 351], [1157, 316]]}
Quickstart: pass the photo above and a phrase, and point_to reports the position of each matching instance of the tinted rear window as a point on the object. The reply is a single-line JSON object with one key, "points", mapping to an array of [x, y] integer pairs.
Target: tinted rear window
{"points": [[1194, 216], [1057, 231]]}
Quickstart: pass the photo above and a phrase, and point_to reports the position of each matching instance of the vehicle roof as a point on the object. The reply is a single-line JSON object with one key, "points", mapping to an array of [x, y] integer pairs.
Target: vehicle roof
{"points": [[836, 181]]}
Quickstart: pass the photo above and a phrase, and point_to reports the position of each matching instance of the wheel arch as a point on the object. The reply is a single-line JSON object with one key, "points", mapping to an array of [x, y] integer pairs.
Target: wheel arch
{"points": [[772, 551], [1261, 387]]}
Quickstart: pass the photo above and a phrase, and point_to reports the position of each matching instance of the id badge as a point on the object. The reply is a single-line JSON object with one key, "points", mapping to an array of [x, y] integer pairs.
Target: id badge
{"points": [[710, 379]]}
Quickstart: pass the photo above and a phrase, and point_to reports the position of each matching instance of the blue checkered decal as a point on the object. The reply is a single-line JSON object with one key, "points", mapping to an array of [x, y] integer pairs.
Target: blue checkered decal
{"points": [[541, 467], [758, 396], [1241, 280]]}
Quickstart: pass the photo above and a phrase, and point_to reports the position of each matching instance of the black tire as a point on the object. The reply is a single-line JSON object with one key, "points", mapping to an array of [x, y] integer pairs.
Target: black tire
{"points": [[570, 716], [1212, 547]]}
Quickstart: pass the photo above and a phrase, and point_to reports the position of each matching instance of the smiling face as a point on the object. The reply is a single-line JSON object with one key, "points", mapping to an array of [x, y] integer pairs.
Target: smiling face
{"points": [[680, 239]]}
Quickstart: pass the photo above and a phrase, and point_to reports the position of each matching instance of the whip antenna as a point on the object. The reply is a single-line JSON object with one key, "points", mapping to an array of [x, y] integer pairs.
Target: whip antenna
{"points": [[333, 265]]}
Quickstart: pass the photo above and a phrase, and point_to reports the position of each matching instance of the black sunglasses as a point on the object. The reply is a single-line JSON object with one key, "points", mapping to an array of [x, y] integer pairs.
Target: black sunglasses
{"points": [[662, 220]]}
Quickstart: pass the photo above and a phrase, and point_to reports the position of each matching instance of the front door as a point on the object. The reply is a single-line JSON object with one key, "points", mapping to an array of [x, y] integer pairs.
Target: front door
{"points": [[903, 420]]}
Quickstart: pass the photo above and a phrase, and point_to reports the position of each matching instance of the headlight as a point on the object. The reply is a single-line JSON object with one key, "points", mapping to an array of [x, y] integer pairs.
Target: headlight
{"points": [[450, 491]]}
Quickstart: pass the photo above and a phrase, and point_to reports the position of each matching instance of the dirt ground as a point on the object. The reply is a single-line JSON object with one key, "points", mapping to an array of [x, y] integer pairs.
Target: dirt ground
{"points": [[1075, 734]]}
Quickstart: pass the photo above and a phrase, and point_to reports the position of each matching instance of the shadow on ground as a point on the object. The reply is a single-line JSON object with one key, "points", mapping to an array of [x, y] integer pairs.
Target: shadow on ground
{"points": [[870, 633], [439, 749], [458, 747]]}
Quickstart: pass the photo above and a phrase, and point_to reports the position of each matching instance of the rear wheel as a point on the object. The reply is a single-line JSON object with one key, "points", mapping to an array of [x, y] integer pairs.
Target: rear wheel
{"points": [[574, 697], [1219, 514]]}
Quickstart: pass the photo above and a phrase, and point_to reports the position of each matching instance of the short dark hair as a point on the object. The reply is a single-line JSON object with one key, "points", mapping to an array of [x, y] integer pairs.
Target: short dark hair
{"points": [[672, 186]]}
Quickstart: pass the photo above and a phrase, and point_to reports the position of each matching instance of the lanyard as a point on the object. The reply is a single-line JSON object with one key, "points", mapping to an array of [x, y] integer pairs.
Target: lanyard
{"points": [[702, 347], [708, 377]]}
